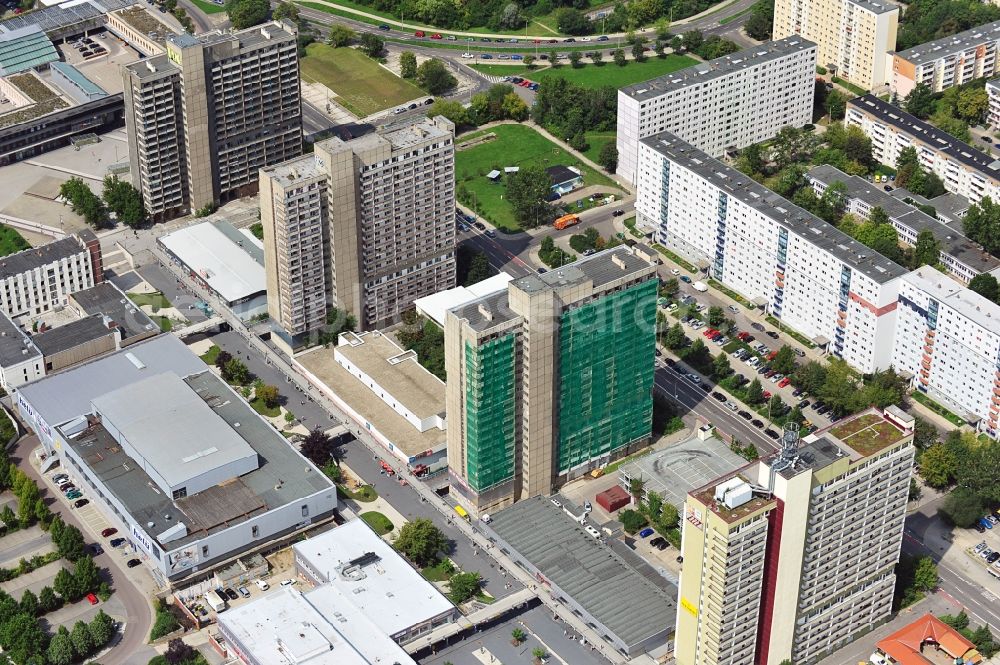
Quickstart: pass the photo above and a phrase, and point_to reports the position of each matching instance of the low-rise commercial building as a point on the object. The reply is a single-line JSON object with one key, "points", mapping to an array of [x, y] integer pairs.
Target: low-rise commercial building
{"points": [[793, 555], [801, 270], [190, 492], [366, 570], [963, 169], [551, 378], [726, 103], [36, 280], [611, 588], [963, 258], [911, 644], [947, 62], [227, 262], [318, 627], [853, 36]]}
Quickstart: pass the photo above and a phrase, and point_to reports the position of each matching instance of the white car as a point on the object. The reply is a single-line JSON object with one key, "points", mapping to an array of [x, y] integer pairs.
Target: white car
{"points": [[734, 309], [675, 272], [466, 55], [262, 585], [584, 39], [287, 582]]}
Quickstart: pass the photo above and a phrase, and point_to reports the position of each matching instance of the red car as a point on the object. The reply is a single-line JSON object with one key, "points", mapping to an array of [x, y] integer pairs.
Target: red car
{"points": [[107, 533], [743, 336], [436, 36], [772, 355], [92, 599], [525, 83], [784, 382], [767, 395], [418, 33]]}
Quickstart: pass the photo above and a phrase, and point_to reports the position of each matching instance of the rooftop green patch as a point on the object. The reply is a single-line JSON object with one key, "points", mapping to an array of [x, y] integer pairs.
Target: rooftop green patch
{"points": [[867, 434]]}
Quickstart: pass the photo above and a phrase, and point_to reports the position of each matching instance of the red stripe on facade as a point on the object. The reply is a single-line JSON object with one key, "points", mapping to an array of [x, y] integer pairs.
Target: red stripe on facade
{"points": [[771, 555], [877, 311]]}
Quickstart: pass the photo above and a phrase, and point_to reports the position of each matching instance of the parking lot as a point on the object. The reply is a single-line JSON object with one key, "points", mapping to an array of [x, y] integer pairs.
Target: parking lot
{"points": [[987, 549]]}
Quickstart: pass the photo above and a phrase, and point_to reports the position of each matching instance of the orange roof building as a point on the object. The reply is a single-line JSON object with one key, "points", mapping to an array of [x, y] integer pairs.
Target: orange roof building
{"points": [[926, 641]]}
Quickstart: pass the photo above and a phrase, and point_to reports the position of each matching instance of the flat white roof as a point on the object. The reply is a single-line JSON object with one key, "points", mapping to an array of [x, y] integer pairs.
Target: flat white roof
{"points": [[172, 428], [389, 591], [225, 266], [435, 305], [321, 627], [966, 302]]}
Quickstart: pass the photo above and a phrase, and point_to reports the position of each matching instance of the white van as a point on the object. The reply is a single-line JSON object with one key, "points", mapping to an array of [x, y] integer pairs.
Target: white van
{"points": [[262, 585]]}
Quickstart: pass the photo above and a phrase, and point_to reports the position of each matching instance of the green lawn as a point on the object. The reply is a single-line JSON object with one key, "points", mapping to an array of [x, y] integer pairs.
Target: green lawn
{"points": [[261, 408], [208, 7], [363, 87], [378, 522], [596, 141], [155, 300], [11, 241], [515, 145], [439, 572], [937, 408], [610, 74], [210, 355], [166, 325], [365, 494]]}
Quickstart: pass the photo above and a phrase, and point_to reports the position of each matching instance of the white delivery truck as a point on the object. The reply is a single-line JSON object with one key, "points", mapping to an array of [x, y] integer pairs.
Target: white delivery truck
{"points": [[215, 600], [700, 286]]}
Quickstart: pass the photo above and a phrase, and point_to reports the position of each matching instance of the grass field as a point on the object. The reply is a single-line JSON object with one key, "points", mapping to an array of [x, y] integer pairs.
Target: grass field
{"points": [[208, 7], [377, 521], [11, 241], [610, 74], [166, 325], [155, 300], [209, 356], [515, 145], [362, 85], [596, 141]]}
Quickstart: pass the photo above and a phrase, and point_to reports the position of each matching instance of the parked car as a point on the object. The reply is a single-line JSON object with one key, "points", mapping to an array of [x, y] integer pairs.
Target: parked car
{"points": [[383, 27], [287, 582], [132, 563], [979, 548], [81, 503], [117, 542], [719, 397], [772, 334], [656, 541], [758, 423], [734, 309], [244, 592], [745, 415], [60, 478], [646, 533], [986, 523], [757, 326], [110, 531], [784, 382], [685, 279], [262, 585], [75, 494], [96, 549], [771, 433], [232, 595], [92, 599], [418, 33]]}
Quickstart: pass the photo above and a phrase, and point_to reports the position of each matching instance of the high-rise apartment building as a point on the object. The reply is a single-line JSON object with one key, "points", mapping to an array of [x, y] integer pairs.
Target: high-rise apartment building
{"points": [[854, 36], [793, 555], [993, 91], [551, 378], [947, 62], [948, 339], [204, 117], [40, 279], [726, 103], [963, 169], [816, 279], [367, 225]]}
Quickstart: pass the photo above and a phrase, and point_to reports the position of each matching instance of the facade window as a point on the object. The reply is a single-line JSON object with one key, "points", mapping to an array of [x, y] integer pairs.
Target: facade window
{"points": [[255, 531], [204, 551], [180, 493], [305, 511]]}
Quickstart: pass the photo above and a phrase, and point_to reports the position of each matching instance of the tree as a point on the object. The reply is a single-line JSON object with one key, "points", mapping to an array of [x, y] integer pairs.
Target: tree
{"points": [[29, 603], [972, 104], [22, 638], [421, 541], [247, 13], [653, 506], [65, 585], [86, 576], [637, 49], [125, 201], [407, 65], [286, 10], [372, 45], [598, 57], [775, 406], [85, 203], [102, 628], [927, 250], [514, 108], [938, 466], [920, 102], [574, 59], [632, 520], [721, 367], [758, 25], [80, 636], [925, 575], [984, 284], [529, 61], [7, 515], [340, 36], [572, 21], [434, 77], [48, 601], [60, 651], [755, 392], [452, 110], [619, 57], [317, 447], [236, 372], [784, 360], [671, 287], [608, 157], [479, 269], [675, 338], [178, 652], [71, 544], [221, 359], [267, 394], [527, 193], [962, 507], [836, 105], [539, 654], [463, 586], [41, 511], [982, 224], [517, 636]]}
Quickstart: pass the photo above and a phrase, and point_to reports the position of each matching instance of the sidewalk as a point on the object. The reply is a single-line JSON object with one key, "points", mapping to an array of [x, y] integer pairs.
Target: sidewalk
{"points": [[379, 505]]}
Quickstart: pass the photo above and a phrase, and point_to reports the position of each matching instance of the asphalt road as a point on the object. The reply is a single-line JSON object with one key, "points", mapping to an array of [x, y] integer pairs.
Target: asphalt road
{"points": [[137, 608]]}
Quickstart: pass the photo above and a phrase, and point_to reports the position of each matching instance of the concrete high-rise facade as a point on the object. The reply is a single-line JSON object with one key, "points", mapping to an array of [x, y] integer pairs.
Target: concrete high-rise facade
{"points": [[551, 378], [726, 103], [366, 225], [204, 117], [793, 555], [948, 62], [853, 36]]}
